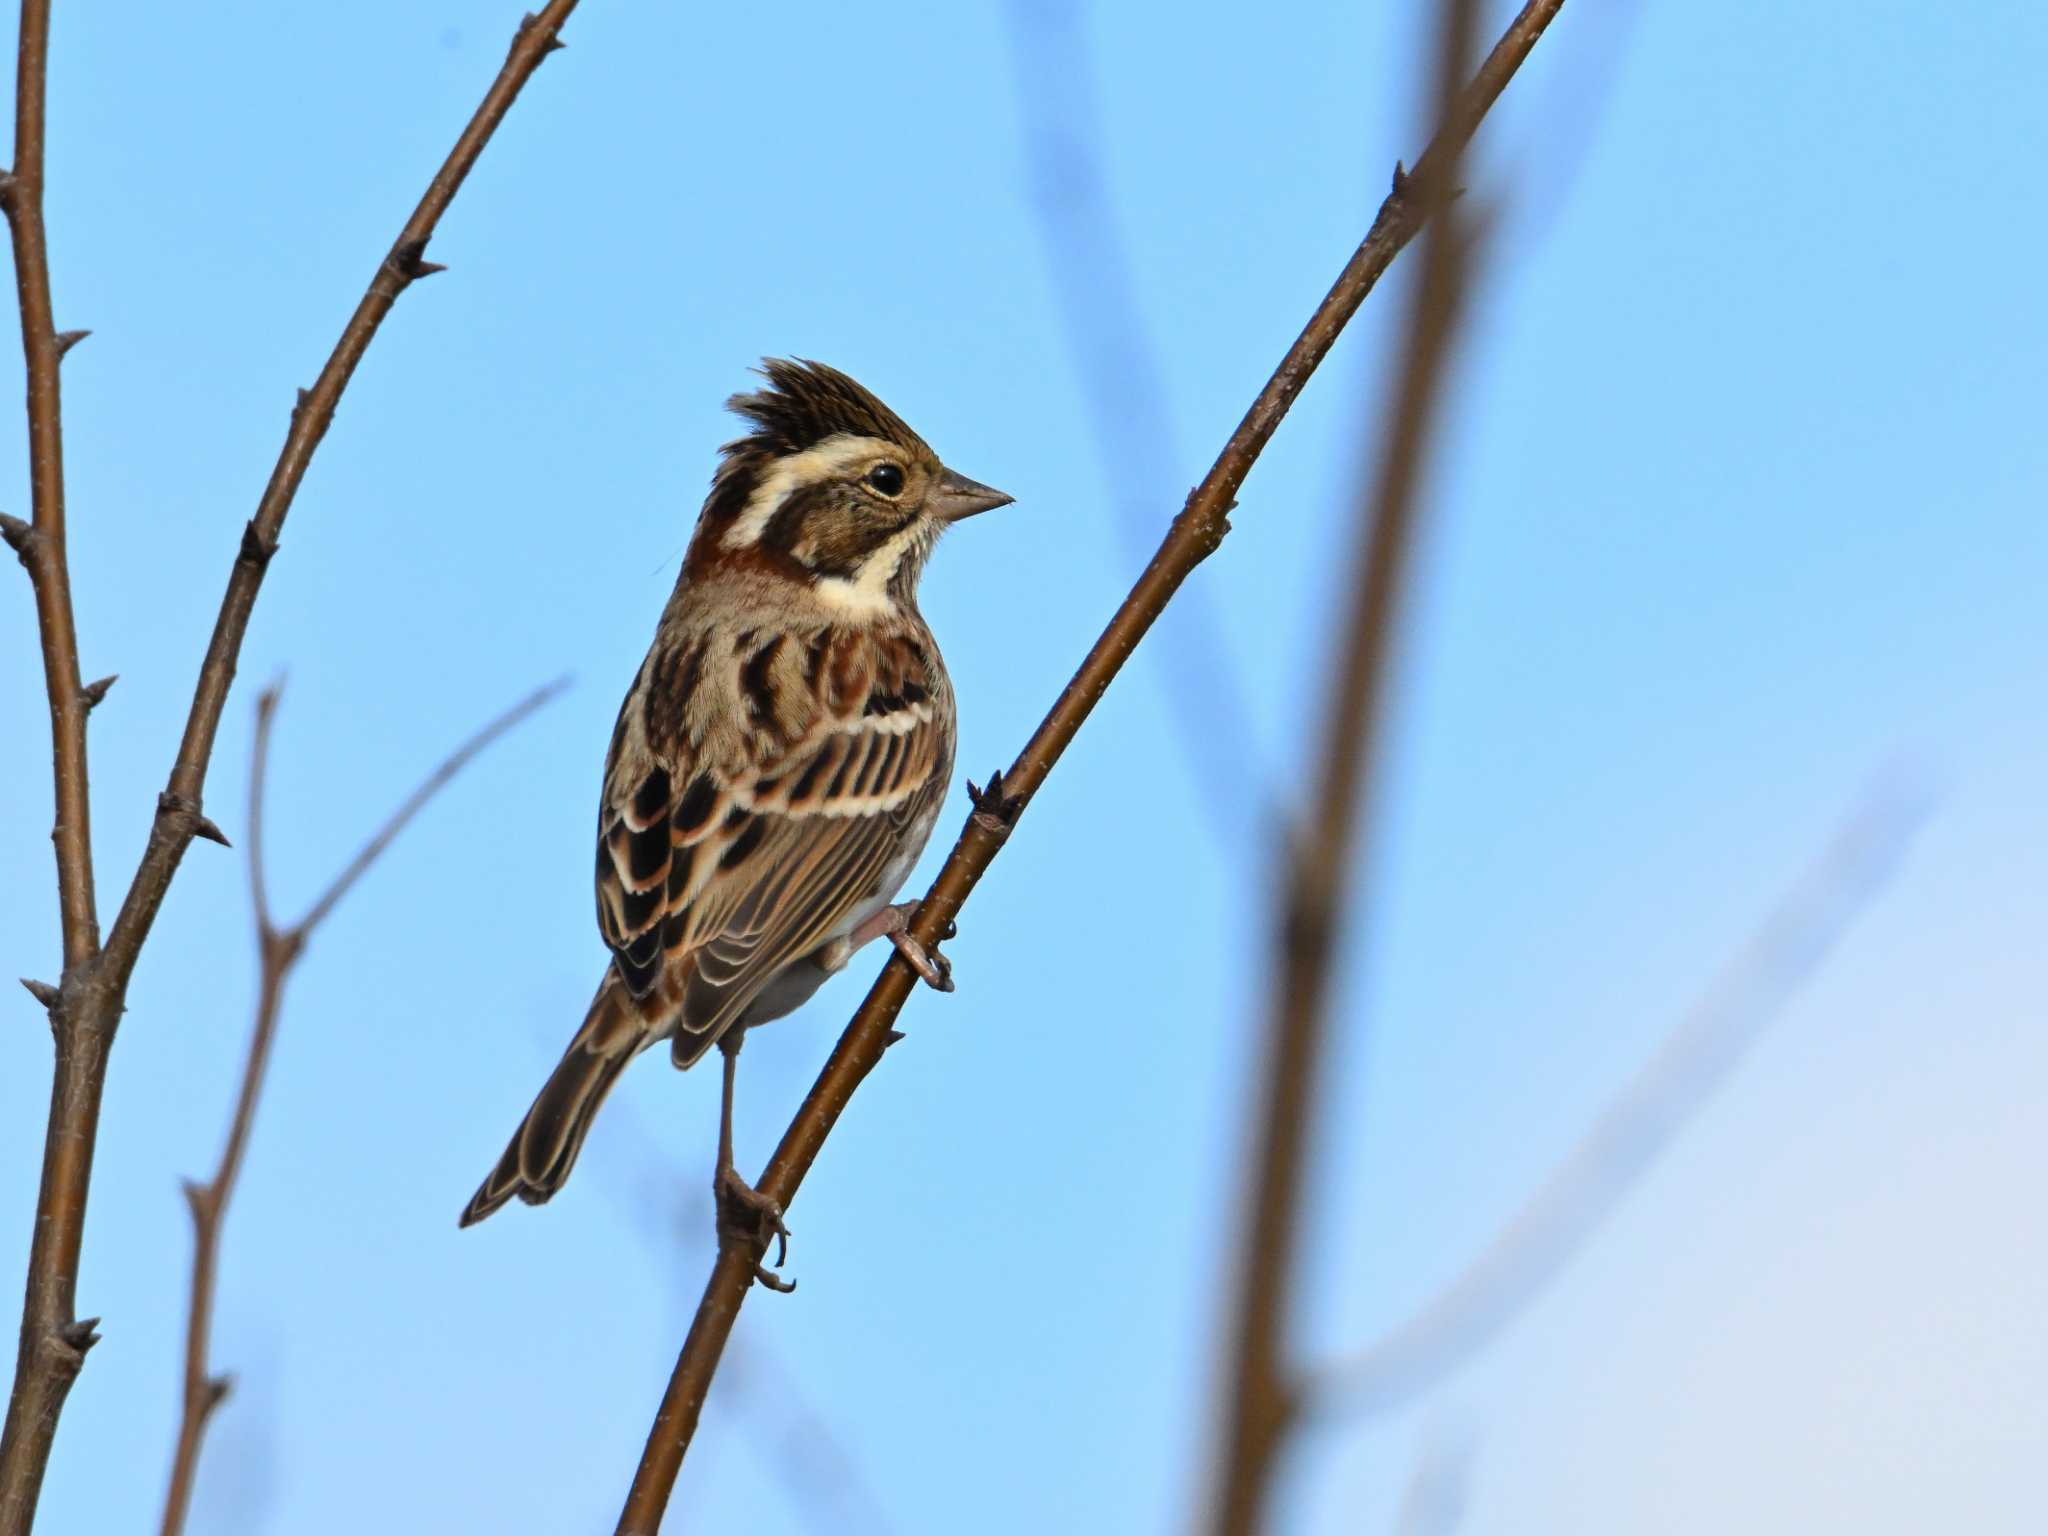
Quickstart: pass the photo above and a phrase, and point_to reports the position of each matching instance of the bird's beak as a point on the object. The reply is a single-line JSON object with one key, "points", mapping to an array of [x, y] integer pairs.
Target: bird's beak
{"points": [[956, 496]]}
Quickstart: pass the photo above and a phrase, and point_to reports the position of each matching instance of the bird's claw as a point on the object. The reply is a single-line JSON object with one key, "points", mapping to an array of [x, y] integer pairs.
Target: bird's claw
{"points": [[746, 1215], [935, 969]]}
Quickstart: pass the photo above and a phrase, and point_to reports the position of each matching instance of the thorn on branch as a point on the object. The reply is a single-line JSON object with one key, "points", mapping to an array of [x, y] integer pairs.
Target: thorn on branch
{"points": [[215, 1392], [66, 340], [1401, 179], [994, 811], [41, 991], [526, 24], [407, 259], [80, 1336], [94, 692], [255, 550], [890, 1037], [198, 1197], [178, 808], [299, 405]]}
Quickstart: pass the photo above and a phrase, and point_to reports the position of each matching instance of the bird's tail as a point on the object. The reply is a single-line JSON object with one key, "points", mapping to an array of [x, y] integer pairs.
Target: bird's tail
{"points": [[544, 1148]]}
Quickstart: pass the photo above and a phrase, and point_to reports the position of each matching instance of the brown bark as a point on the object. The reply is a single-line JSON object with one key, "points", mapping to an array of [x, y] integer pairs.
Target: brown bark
{"points": [[1319, 854], [86, 1004], [277, 951], [1192, 537]]}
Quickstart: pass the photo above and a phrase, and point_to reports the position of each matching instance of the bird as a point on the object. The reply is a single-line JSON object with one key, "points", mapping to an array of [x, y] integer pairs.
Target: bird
{"points": [[777, 764]]}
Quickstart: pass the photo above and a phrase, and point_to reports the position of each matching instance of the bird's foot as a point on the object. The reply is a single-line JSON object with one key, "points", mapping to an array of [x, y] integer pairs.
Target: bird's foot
{"points": [[746, 1215], [893, 923], [935, 969]]}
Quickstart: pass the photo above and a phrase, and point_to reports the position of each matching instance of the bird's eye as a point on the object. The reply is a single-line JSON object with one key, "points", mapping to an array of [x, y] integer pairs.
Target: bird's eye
{"points": [[887, 479]]}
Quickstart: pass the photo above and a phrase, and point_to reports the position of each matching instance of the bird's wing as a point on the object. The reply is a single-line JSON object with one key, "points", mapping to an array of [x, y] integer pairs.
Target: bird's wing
{"points": [[716, 869]]}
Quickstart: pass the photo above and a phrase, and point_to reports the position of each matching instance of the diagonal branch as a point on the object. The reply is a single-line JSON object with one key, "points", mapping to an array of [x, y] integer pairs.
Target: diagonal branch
{"points": [[1793, 942], [178, 817], [86, 1007], [1096, 286], [278, 950], [801, 1449], [1258, 1388], [1194, 534]]}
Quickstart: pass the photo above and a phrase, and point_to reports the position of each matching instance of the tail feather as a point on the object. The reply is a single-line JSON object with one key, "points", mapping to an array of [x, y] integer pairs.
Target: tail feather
{"points": [[542, 1151]]}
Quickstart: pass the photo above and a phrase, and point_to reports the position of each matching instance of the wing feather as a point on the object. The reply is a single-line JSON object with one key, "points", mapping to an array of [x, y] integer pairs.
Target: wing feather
{"points": [[716, 869]]}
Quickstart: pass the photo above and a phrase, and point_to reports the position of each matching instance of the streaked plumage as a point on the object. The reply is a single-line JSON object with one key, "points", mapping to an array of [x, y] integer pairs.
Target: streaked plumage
{"points": [[780, 758]]}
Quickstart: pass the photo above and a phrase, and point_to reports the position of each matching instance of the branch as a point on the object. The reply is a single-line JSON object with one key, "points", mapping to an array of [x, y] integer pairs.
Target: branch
{"points": [[1319, 855], [1792, 943], [93, 992], [1096, 286], [1194, 534], [278, 950], [801, 1450], [41, 546], [53, 1340], [178, 806]]}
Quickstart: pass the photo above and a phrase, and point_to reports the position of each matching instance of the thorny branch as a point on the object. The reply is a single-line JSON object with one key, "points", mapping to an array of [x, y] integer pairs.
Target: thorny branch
{"points": [[1193, 536], [41, 546], [1319, 854], [277, 951], [85, 1006], [53, 1338]]}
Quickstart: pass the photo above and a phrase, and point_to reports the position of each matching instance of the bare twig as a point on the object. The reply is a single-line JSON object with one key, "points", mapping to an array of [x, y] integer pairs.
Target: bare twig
{"points": [[803, 1452], [93, 990], [1096, 288], [402, 265], [277, 951], [1793, 942], [1194, 534], [42, 546], [1257, 1401], [53, 1338]]}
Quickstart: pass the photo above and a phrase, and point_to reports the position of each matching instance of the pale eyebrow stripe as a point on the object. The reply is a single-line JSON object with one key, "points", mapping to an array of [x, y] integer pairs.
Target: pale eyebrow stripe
{"points": [[822, 462]]}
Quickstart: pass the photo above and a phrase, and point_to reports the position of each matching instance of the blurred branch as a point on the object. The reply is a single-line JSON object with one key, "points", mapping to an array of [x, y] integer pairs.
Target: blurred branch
{"points": [[278, 951], [1438, 1488], [1809, 922], [85, 1006], [1192, 537], [1258, 1390], [1123, 387]]}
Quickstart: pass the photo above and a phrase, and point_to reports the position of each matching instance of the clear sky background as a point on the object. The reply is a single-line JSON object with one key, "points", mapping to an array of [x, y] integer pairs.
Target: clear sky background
{"points": [[1740, 500]]}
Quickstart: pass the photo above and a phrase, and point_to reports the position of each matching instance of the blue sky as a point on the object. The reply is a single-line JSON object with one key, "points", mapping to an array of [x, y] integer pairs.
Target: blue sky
{"points": [[1739, 499]]}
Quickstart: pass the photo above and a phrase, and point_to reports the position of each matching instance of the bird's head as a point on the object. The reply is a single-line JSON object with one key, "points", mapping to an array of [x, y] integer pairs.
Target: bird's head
{"points": [[833, 489]]}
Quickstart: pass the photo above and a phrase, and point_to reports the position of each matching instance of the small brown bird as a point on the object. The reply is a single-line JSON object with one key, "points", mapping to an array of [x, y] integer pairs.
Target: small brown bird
{"points": [[777, 764]]}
